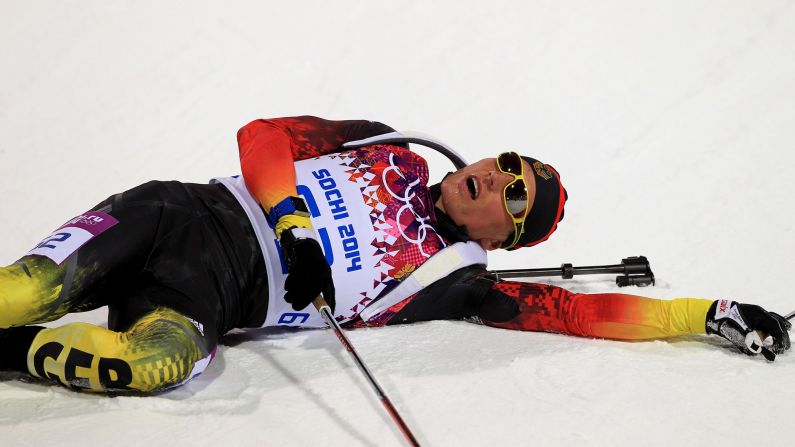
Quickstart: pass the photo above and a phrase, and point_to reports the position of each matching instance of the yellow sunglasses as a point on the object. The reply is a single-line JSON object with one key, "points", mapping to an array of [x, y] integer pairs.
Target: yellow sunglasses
{"points": [[514, 195]]}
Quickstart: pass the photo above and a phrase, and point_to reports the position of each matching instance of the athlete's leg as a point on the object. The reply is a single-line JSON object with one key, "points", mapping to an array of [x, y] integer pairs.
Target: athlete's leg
{"points": [[161, 350], [30, 292], [174, 246], [82, 264]]}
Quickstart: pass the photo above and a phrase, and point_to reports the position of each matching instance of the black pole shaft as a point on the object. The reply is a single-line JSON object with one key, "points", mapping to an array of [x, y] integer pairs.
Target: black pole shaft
{"points": [[528, 273], [558, 271], [636, 265], [325, 312]]}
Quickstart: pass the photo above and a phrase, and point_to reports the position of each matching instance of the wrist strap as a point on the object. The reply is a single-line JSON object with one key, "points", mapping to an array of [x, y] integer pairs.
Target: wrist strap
{"points": [[303, 233], [294, 234]]}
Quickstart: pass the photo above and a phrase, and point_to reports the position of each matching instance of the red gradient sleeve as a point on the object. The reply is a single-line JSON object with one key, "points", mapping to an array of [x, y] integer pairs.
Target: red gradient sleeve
{"points": [[268, 148], [618, 316]]}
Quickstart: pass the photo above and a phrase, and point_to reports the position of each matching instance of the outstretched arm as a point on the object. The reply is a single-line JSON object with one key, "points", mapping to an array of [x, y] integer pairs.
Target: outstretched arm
{"points": [[475, 294], [542, 307], [631, 317]]}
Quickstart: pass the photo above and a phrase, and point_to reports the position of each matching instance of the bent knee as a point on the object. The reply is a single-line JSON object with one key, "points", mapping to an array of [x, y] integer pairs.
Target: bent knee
{"points": [[170, 350], [160, 351]]}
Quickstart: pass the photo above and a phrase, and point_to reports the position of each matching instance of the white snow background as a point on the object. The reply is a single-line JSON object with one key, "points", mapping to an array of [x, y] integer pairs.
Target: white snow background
{"points": [[671, 122]]}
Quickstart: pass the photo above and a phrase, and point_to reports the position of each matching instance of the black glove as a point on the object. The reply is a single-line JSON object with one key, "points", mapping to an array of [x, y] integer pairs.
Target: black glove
{"points": [[309, 272], [739, 324]]}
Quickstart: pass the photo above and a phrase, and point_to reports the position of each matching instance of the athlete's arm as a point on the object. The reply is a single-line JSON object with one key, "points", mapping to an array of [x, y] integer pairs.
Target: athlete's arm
{"points": [[475, 294], [542, 307], [268, 148]]}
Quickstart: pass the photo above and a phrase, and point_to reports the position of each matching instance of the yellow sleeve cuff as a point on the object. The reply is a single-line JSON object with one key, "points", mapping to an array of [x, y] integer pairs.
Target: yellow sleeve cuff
{"points": [[291, 220], [689, 315]]}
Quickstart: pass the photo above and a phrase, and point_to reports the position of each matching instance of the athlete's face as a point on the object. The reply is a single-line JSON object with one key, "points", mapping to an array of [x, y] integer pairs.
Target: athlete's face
{"points": [[473, 197]]}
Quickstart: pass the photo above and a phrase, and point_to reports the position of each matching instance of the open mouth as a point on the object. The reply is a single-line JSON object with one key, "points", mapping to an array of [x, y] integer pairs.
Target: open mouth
{"points": [[473, 187]]}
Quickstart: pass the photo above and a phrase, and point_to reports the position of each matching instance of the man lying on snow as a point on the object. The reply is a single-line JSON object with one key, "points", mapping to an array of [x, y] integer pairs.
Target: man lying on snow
{"points": [[179, 265]]}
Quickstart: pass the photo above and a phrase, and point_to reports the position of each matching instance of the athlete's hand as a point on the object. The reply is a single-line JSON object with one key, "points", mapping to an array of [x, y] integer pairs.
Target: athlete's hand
{"points": [[309, 272], [747, 326]]}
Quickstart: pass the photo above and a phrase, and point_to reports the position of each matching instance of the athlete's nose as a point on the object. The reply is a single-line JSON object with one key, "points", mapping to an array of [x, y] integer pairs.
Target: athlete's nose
{"points": [[501, 179], [492, 180]]}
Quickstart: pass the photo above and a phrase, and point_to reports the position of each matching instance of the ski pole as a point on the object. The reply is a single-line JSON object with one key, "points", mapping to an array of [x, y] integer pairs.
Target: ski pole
{"points": [[325, 312], [790, 315], [634, 271]]}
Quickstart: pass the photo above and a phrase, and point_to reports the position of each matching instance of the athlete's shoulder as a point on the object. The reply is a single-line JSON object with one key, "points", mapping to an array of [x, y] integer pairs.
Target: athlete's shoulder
{"points": [[459, 295]]}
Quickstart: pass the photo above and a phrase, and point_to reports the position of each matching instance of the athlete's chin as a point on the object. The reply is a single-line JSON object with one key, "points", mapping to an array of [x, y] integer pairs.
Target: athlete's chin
{"points": [[449, 198]]}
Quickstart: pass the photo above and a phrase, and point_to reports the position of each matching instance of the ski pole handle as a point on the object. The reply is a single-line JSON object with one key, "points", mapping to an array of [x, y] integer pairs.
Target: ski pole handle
{"points": [[320, 303]]}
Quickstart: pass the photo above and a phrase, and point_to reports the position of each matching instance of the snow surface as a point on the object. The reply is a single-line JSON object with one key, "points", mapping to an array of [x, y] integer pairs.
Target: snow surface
{"points": [[670, 121]]}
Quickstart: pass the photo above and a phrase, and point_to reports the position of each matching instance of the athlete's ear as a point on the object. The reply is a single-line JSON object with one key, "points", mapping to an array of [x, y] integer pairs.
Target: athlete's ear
{"points": [[489, 244]]}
